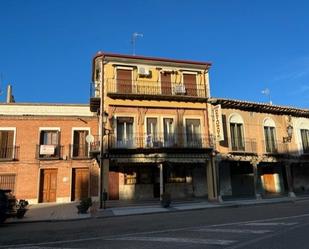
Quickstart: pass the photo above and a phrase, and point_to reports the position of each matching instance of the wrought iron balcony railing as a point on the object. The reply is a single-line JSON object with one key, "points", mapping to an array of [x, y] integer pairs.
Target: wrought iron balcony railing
{"points": [[49, 152], [79, 151], [243, 145], [9, 153], [275, 147], [143, 87], [135, 141]]}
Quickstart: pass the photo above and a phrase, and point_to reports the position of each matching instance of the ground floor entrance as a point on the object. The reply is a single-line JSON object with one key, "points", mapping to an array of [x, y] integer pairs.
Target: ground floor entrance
{"points": [[80, 183], [48, 185], [300, 177]]}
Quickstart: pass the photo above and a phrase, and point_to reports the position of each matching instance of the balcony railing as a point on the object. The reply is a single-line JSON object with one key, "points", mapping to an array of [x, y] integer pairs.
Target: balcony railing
{"points": [[49, 152], [9, 153], [243, 145], [153, 88], [79, 151], [275, 147]]}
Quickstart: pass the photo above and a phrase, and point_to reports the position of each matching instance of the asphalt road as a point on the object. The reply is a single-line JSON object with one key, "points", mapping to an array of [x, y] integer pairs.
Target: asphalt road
{"points": [[275, 226]]}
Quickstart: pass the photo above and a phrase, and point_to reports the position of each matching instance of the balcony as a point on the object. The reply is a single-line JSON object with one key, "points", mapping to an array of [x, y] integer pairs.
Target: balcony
{"points": [[79, 151], [149, 90], [274, 147], [136, 141], [49, 152], [243, 145], [9, 153]]}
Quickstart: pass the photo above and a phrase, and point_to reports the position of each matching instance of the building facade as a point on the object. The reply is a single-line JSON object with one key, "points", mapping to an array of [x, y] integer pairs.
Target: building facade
{"points": [[156, 132], [44, 155], [260, 149]]}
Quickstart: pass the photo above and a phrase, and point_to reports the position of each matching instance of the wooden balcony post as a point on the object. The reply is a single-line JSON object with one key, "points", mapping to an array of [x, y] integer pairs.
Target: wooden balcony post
{"points": [[257, 193], [289, 179]]}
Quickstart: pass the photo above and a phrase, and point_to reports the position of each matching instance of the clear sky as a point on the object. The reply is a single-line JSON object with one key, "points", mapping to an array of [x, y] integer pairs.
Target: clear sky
{"points": [[46, 47]]}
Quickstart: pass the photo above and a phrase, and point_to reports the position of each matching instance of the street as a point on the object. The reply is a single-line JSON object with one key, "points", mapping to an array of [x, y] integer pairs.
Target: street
{"points": [[272, 226]]}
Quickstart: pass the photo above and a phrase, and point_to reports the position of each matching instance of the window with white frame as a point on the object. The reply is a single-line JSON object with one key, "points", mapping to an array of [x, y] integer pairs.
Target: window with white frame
{"points": [[6, 144], [125, 132], [80, 145], [49, 143], [237, 133], [270, 136]]}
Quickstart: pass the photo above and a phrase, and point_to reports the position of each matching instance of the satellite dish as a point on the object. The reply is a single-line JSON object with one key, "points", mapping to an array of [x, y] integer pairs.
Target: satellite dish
{"points": [[89, 139]]}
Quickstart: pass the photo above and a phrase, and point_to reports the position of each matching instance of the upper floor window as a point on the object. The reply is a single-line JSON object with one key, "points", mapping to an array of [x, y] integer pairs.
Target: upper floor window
{"points": [[193, 132], [237, 133], [166, 85], [152, 132], [6, 144], [125, 132], [49, 144], [80, 145], [305, 140], [124, 80], [168, 132], [270, 136], [189, 81]]}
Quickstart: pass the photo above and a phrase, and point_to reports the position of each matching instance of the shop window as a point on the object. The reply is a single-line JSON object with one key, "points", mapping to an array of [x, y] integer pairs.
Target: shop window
{"points": [[177, 174], [130, 177]]}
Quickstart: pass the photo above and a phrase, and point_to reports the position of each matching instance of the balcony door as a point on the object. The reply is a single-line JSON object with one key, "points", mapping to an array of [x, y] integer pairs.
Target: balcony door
{"points": [[125, 132], [237, 136], [124, 81], [6, 144], [80, 145], [270, 139], [168, 130], [152, 132], [189, 81], [193, 133], [305, 140], [166, 83], [49, 144]]}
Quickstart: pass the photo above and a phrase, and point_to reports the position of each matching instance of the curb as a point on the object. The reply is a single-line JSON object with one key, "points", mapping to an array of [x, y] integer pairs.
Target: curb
{"points": [[168, 210]]}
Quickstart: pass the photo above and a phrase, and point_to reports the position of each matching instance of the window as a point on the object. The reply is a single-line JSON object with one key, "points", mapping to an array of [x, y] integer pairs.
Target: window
{"points": [[125, 132], [237, 133], [6, 144], [7, 181], [193, 136], [152, 132], [124, 80], [270, 141], [139, 175], [189, 81], [80, 145], [168, 130], [130, 176], [49, 144], [305, 140]]}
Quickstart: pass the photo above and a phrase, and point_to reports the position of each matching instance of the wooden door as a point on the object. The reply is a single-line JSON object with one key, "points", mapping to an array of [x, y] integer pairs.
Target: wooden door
{"points": [[190, 84], [113, 185], [166, 85], [48, 185], [269, 183], [124, 81], [80, 184]]}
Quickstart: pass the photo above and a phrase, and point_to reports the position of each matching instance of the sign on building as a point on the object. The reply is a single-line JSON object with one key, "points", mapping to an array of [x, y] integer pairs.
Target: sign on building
{"points": [[47, 149], [218, 123]]}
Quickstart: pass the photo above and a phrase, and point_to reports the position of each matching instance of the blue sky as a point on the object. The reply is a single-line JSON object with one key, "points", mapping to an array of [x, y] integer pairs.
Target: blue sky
{"points": [[46, 47]]}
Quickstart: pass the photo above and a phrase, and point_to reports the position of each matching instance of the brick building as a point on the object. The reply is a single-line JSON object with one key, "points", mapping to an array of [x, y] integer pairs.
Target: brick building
{"points": [[44, 156]]}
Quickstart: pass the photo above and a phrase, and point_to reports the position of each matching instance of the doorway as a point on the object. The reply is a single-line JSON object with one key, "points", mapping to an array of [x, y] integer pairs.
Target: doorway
{"points": [[48, 185], [80, 183]]}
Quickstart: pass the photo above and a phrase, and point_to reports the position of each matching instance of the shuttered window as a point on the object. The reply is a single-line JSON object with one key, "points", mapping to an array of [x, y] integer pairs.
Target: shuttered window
{"points": [[80, 145], [6, 144], [7, 181], [237, 137]]}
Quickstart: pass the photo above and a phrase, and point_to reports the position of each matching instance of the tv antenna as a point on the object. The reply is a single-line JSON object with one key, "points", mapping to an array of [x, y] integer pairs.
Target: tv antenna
{"points": [[133, 41], [266, 92]]}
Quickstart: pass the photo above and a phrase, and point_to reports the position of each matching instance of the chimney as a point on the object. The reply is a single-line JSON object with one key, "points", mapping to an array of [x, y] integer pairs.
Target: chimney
{"points": [[9, 95]]}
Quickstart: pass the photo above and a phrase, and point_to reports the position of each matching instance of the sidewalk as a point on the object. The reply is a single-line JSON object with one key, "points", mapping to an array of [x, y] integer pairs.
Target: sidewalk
{"points": [[68, 211]]}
